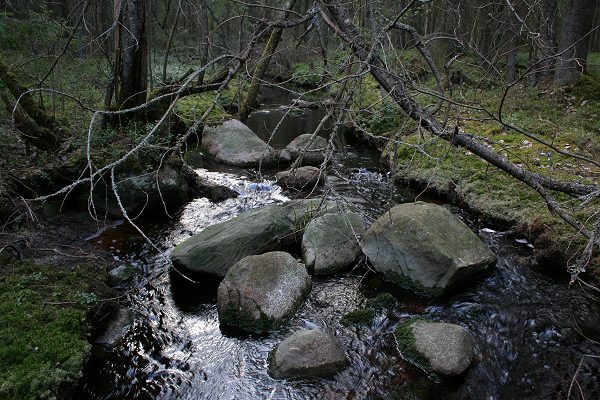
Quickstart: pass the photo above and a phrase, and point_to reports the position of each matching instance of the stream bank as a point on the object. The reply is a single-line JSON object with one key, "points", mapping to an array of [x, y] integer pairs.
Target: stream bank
{"points": [[525, 323]]}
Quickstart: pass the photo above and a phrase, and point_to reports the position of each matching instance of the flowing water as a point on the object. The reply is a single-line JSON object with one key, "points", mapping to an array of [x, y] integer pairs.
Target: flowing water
{"points": [[527, 344]]}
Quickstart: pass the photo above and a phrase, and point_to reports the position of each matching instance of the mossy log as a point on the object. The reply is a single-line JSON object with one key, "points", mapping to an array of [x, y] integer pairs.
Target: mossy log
{"points": [[36, 125]]}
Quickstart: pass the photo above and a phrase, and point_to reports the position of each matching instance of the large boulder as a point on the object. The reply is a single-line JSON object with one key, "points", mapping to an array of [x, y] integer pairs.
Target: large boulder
{"points": [[307, 354], [147, 192], [311, 148], [438, 347], [259, 293], [303, 178], [330, 242], [425, 248], [216, 248], [233, 143], [140, 192]]}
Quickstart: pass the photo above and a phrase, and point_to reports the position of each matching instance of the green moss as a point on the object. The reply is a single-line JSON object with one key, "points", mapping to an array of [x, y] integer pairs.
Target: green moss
{"points": [[587, 87], [360, 316], [43, 330], [306, 74], [194, 106], [234, 318], [412, 286], [381, 301], [405, 341]]}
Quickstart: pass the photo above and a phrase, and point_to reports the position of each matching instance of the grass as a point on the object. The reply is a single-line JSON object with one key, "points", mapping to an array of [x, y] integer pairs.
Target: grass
{"points": [[43, 329]]}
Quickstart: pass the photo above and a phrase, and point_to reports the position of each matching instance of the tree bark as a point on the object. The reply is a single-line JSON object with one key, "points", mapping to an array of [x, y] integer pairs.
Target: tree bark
{"points": [[574, 41], [131, 78], [36, 125], [261, 67], [170, 42]]}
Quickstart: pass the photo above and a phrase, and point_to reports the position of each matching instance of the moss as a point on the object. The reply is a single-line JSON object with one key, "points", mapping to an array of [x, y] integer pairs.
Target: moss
{"points": [[405, 341], [194, 106], [360, 316], [234, 318], [306, 74], [496, 197], [412, 286], [381, 301], [43, 330], [587, 87]]}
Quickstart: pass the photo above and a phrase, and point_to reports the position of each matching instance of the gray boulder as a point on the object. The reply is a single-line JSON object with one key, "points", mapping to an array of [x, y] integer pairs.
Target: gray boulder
{"points": [[233, 143], [216, 248], [438, 347], [311, 149], [303, 178], [425, 248], [259, 293], [330, 242], [307, 354]]}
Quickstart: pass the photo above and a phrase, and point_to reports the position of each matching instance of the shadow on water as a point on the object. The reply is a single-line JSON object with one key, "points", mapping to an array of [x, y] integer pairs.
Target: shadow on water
{"points": [[527, 344]]}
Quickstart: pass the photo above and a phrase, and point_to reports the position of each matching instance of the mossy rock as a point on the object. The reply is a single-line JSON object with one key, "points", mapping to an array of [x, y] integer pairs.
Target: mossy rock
{"points": [[360, 316], [439, 348], [260, 293], [382, 301]]}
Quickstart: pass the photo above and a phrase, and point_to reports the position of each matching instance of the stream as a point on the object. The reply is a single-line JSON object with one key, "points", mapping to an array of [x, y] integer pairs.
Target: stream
{"points": [[527, 344]]}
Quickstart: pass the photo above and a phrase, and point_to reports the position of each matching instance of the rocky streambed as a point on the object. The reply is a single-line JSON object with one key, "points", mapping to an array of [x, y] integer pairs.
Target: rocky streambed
{"points": [[501, 331]]}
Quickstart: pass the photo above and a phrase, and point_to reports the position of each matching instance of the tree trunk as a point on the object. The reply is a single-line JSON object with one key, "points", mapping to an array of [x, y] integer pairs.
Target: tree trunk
{"points": [[131, 78], [31, 119], [574, 41], [170, 42], [204, 40], [262, 65], [546, 43]]}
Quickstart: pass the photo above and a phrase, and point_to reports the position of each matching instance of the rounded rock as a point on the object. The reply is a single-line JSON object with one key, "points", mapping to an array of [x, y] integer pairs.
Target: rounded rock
{"points": [[305, 354], [259, 293]]}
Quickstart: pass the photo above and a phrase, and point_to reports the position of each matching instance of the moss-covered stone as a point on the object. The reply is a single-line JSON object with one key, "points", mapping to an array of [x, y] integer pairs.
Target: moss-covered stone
{"points": [[232, 317], [360, 316], [412, 286], [382, 301], [261, 292], [405, 341]]}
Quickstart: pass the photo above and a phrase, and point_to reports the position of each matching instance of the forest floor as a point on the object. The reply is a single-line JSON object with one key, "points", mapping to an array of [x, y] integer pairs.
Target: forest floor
{"points": [[53, 294]]}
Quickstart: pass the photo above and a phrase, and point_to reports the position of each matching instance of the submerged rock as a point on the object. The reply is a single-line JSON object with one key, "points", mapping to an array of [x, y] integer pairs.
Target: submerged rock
{"points": [[116, 328], [121, 275], [424, 248], [307, 354], [330, 242], [271, 227], [233, 143], [259, 293], [439, 347], [311, 149], [303, 178]]}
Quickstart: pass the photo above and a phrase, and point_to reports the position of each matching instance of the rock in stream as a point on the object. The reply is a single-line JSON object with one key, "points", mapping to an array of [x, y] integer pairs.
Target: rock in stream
{"points": [[259, 293], [307, 354], [425, 248]]}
